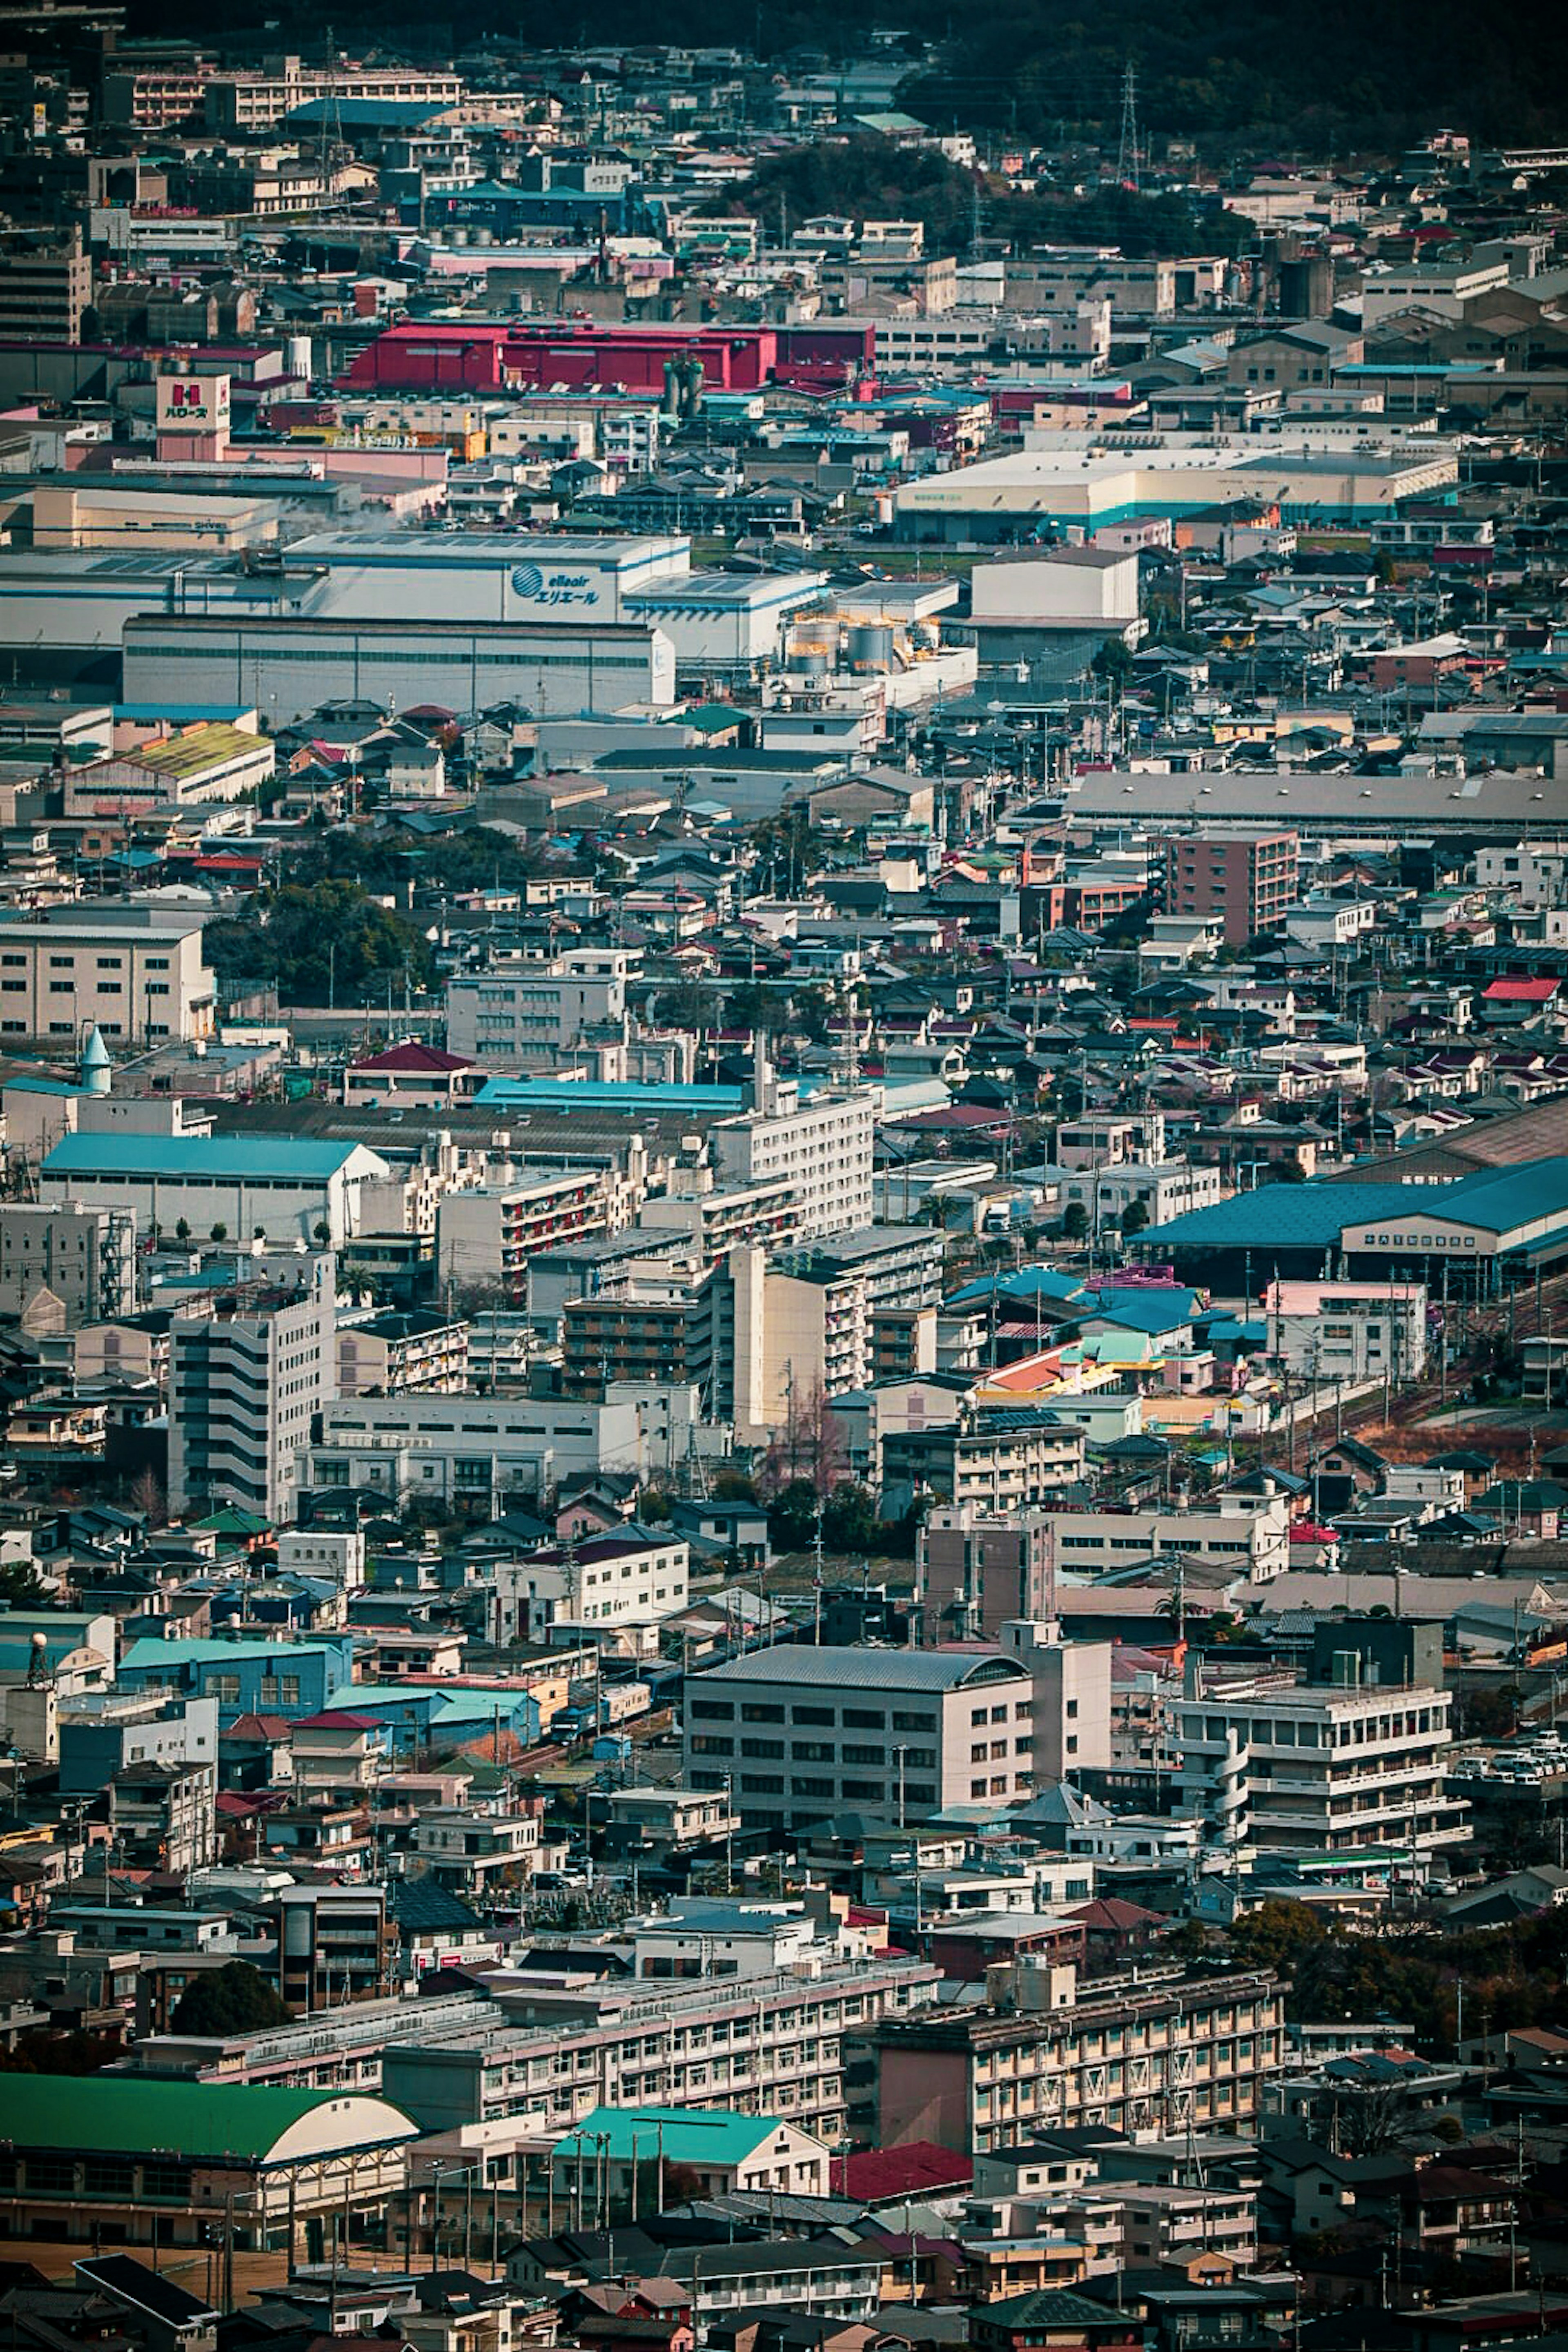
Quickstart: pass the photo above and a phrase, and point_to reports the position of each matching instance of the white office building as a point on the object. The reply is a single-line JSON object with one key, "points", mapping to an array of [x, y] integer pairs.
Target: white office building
{"points": [[529, 1015], [478, 1453], [134, 972], [290, 667], [799, 1734], [1249, 1534]]}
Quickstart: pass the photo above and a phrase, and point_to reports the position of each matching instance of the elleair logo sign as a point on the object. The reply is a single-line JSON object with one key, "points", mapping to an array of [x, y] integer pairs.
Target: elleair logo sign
{"points": [[537, 587]]}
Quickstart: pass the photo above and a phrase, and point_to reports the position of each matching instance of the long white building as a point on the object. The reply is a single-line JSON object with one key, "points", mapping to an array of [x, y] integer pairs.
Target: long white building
{"points": [[290, 667]]}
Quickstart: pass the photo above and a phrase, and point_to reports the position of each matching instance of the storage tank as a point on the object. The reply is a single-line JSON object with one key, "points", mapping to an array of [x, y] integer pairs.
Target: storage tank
{"points": [[870, 645]]}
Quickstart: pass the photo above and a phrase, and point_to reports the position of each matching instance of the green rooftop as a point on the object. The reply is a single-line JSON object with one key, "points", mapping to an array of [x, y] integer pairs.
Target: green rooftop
{"points": [[126, 2115], [698, 2136]]}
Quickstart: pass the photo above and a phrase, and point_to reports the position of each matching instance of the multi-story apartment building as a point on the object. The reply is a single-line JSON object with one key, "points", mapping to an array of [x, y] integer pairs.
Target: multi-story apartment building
{"points": [[131, 971], [1164, 2056], [799, 1734], [820, 1144], [1247, 877], [631, 1576], [45, 285], [654, 1327], [467, 1850], [258, 102], [335, 1944], [770, 2044], [1166, 1188], [1248, 1533], [156, 93], [487, 1236], [991, 1457], [1348, 1331], [243, 1388], [1326, 1770], [824, 1314], [976, 1570], [403, 1355], [84, 1257], [721, 1217], [530, 1015], [164, 1817]]}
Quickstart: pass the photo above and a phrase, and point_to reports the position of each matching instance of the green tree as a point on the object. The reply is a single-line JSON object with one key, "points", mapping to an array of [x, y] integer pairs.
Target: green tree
{"points": [[315, 937], [1075, 1221], [1134, 1217], [1277, 1933], [733, 1487], [791, 1516], [849, 1521], [235, 1999]]}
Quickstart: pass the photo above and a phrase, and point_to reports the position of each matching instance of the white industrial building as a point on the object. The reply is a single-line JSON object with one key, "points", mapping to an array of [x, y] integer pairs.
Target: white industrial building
{"points": [[480, 1452], [1086, 482], [563, 624], [287, 1189], [489, 576], [288, 669], [726, 620]]}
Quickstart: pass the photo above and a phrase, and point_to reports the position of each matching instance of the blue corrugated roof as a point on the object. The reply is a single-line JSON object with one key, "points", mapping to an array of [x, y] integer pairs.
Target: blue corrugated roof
{"points": [[1499, 1199], [241, 1158], [1292, 1217]]}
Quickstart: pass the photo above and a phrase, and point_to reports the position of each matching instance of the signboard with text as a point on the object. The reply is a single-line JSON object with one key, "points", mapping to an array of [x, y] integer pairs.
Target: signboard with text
{"points": [[193, 404]]}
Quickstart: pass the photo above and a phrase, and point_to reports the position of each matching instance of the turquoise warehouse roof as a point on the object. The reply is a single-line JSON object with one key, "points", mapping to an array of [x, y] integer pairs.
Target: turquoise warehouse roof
{"points": [[237, 1159]]}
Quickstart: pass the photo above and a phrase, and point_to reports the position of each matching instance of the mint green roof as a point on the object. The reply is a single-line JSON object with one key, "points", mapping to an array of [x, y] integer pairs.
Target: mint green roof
{"points": [[151, 1652], [232, 1522], [692, 2134], [125, 2114]]}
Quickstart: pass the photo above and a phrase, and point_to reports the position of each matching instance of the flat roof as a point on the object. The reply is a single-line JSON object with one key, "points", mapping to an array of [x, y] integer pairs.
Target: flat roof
{"points": [[484, 547]]}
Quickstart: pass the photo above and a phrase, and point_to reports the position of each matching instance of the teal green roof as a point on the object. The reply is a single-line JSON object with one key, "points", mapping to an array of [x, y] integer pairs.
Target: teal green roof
{"points": [[692, 2134], [1290, 1216], [151, 1652], [232, 1522], [1498, 1201], [129, 2114]]}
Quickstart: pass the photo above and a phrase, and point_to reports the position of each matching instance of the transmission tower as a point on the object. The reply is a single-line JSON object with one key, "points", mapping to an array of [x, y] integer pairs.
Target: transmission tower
{"points": [[1127, 159]]}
